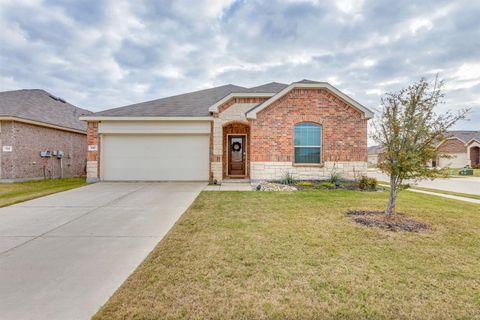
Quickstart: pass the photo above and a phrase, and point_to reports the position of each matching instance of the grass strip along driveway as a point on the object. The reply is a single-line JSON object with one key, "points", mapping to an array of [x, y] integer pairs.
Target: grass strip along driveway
{"points": [[11, 193], [250, 255]]}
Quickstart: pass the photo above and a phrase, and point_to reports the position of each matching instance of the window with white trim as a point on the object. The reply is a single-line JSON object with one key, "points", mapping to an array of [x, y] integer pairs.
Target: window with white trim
{"points": [[308, 143]]}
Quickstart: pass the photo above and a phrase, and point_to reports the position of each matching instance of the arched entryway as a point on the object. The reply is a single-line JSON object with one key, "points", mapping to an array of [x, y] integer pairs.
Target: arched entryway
{"points": [[236, 150], [475, 157]]}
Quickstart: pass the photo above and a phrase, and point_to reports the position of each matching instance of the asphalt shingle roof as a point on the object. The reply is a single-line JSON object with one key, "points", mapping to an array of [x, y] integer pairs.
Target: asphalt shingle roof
{"points": [[272, 87], [39, 105], [464, 135], [192, 104]]}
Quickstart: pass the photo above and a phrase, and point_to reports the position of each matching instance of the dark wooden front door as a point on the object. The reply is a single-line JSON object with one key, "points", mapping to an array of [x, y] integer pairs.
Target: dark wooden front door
{"points": [[236, 156]]}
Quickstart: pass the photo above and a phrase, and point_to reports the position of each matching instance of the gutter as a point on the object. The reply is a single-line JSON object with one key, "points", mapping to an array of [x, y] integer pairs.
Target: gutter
{"points": [[110, 118], [41, 124]]}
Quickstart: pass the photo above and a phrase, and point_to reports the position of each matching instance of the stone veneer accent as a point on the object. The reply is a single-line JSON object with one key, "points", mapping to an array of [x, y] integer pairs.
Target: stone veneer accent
{"points": [[230, 112], [276, 170]]}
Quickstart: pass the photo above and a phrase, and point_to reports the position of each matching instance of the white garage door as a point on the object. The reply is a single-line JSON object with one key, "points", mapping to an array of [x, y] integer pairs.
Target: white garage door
{"points": [[155, 157], [458, 160]]}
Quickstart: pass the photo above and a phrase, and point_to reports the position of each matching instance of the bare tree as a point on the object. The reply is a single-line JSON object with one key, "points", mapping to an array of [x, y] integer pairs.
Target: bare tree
{"points": [[407, 132]]}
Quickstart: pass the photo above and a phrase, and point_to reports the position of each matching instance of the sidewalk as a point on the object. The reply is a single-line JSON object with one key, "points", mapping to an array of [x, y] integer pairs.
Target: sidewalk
{"points": [[449, 196]]}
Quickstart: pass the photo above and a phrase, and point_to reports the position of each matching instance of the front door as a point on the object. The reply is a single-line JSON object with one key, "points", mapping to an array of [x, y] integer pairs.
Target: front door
{"points": [[236, 156]]}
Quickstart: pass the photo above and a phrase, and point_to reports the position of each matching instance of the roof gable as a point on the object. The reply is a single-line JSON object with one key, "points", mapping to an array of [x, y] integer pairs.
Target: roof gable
{"points": [[252, 114]]}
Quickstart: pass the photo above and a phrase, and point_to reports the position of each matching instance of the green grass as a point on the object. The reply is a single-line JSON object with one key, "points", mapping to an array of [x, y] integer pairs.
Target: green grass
{"points": [[11, 193], [265, 255]]}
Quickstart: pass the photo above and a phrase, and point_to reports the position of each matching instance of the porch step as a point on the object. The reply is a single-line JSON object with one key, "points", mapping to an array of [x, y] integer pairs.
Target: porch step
{"points": [[235, 181]]}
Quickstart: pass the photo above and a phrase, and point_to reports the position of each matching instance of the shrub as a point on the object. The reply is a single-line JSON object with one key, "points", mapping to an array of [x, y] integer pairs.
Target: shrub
{"points": [[367, 183], [372, 183], [287, 179], [305, 184], [327, 185], [335, 177]]}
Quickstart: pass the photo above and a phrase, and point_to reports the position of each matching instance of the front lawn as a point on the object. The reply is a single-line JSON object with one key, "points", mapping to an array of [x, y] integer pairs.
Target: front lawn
{"points": [[265, 255], [11, 193]]}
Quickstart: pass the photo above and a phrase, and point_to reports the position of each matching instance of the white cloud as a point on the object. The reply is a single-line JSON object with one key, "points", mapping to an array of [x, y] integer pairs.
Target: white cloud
{"points": [[101, 54]]}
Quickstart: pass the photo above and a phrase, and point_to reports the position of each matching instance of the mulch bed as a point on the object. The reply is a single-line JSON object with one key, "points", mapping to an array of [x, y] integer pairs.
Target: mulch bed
{"points": [[379, 220]]}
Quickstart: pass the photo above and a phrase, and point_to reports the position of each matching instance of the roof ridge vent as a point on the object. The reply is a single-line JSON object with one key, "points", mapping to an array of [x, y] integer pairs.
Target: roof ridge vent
{"points": [[53, 97], [56, 98]]}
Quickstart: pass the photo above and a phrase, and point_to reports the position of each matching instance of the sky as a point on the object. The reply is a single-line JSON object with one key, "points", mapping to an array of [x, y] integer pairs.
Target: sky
{"points": [[102, 54]]}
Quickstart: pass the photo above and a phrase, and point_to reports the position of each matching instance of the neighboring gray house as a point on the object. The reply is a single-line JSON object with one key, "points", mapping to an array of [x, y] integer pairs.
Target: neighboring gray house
{"points": [[373, 153], [40, 134]]}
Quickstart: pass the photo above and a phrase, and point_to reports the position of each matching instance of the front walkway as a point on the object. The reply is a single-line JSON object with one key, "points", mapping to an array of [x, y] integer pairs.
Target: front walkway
{"points": [[62, 256]]}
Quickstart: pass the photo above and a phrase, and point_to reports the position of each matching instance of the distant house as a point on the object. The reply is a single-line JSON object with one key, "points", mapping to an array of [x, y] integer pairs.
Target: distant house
{"points": [[373, 153], [463, 147], [40, 136]]}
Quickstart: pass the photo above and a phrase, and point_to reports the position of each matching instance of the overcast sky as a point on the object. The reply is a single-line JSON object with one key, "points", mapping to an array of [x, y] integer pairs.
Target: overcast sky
{"points": [[101, 54]]}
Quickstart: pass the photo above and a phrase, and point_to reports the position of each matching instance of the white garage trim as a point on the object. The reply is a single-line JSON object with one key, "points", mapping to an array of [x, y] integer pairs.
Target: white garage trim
{"points": [[154, 127]]}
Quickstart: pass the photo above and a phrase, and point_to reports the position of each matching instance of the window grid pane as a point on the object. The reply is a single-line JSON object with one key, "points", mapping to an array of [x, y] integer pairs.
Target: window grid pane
{"points": [[307, 142], [307, 155], [307, 135]]}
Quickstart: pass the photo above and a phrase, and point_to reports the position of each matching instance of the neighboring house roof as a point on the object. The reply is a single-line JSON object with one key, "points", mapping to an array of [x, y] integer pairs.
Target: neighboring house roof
{"points": [[201, 103], [464, 135], [373, 150], [40, 107]]}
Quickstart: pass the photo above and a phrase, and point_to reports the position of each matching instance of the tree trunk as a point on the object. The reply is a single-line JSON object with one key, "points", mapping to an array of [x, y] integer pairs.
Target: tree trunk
{"points": [[391, 201]]}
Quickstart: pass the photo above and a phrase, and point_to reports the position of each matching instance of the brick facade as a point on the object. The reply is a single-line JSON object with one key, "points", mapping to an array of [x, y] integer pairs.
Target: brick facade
{"points": [[474, 155], [452, 146], [344, 129], [241, 100], [270, 136], [27, 140], [93, 157]]}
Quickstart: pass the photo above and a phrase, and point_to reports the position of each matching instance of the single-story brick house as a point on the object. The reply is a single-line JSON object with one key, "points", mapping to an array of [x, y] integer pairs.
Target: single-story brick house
{"points": [[463, 147], [306, 128], [36, 128]]}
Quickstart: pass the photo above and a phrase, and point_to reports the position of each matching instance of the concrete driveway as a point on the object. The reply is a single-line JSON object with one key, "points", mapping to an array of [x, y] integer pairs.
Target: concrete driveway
{"points": [[62, 256]]}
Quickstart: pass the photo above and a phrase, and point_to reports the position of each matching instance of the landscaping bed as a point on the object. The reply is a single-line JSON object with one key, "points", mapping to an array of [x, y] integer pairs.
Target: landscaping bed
{"points": [[399, 222]]}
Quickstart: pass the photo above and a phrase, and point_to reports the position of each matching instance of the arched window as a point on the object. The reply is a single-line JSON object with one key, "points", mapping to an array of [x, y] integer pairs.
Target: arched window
{"points": [[308, 142]]}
